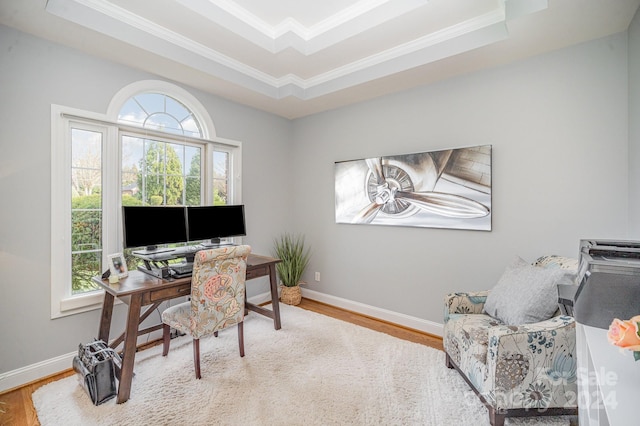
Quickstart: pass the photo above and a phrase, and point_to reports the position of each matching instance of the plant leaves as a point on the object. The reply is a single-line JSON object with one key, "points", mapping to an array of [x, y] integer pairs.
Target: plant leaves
{"points": [[290, 249]]}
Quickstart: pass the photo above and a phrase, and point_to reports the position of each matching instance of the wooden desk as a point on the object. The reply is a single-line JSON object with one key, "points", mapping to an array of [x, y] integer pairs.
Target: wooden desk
{"points": [[140, 289]]}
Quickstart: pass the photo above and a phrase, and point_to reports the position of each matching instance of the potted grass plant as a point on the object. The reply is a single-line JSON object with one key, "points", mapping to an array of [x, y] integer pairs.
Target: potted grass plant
{"points": [[294, 256]]}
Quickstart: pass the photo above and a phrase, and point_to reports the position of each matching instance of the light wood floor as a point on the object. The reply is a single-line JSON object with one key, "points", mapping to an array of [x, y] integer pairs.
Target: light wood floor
{"points": [[16, 407]]}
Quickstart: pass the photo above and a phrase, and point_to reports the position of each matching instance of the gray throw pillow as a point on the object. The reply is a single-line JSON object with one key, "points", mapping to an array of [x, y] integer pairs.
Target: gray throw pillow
{"points": [[524, 294]]}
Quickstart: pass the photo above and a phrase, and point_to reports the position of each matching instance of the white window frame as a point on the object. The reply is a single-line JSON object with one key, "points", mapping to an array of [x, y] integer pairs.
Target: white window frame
{"points": [[63, 302]]}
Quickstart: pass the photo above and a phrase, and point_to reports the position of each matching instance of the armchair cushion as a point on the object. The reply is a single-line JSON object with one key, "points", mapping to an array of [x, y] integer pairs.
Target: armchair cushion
{"points": [[464, 303], [524, 294]]}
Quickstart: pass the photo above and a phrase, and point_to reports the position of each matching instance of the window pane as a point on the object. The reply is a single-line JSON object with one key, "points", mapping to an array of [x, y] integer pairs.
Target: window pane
{"points": [[84, 266], [164, 123], [160, 112], [150, 102], [192, 158], [132, 162], [176, 109], [191, 127], [160, 176], [175, 155], [86, 146], [131, 112], [193, 191], [174, 189], [86, 182], [132, 153], [86, 226], [193, 188], [220, 177], [152, 173], [219, 192], [220, 165], [131, 195], [86, 208], [154, 157]]}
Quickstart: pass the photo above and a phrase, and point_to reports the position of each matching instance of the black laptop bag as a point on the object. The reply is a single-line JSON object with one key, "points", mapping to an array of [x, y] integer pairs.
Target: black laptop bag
{"points": [[96, 367]]}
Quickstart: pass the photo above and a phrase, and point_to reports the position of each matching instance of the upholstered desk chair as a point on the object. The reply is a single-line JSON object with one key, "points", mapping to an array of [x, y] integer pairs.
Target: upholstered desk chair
{"points": [[217, 299]]}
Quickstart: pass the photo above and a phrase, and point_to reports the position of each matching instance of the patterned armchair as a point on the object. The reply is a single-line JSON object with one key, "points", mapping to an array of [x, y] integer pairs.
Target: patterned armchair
{"points": [[516, 370], [217, 299]]}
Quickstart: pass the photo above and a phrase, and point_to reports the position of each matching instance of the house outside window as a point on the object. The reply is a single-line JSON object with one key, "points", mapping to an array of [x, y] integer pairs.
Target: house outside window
{"points": [[153, 148]]}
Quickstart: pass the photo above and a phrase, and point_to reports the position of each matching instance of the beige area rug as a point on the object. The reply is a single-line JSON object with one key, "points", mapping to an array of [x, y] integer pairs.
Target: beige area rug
{"points": [[316, 370]]}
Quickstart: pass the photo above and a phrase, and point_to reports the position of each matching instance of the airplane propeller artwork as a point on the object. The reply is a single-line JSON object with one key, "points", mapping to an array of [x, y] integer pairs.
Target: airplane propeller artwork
{"points": [[390, 190]]}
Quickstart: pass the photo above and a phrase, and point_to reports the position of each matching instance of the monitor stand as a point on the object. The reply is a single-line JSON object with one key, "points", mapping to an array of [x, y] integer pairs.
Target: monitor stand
{"points": [[149, 250], [215, 243], [151, 268]]}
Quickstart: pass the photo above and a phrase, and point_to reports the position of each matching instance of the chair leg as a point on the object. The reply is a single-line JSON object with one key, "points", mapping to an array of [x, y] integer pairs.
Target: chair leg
{"points": [[196, 357], [447, 360], [495, 417], [166, 338], [241, 337]]}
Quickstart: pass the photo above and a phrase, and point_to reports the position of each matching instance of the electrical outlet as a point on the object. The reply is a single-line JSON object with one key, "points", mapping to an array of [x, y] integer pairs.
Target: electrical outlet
{"points": [[318, 276]]}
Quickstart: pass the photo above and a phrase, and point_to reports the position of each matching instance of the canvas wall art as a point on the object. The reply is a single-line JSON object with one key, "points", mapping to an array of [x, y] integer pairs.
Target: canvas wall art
{"points": [[439, 189]]}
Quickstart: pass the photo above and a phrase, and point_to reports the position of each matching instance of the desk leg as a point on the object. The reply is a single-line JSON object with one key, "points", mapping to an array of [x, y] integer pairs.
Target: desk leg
{"points": [[105, 320], [275, 304], [130, 340]]}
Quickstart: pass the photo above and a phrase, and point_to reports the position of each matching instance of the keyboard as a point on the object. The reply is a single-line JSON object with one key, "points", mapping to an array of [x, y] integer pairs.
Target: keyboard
{"points": [[183, 269]]}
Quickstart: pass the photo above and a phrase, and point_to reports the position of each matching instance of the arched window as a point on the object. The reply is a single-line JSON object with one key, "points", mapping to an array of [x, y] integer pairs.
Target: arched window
{"points": [[161, 112], [157, 170], [154, 146]]}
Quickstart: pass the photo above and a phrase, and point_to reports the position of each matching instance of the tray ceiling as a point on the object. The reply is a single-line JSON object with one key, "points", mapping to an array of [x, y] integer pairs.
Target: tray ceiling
{"points": [[299, 57]]}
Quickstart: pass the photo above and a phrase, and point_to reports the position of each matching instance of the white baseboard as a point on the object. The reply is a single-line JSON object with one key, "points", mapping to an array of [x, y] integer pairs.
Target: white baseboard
{"points": [[30, 373], [21, 376], [379, 313]]}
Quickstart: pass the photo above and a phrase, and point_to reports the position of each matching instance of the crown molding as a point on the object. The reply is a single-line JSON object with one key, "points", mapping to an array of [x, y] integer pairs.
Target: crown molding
{"points": [[289, 33], [120, 24]]}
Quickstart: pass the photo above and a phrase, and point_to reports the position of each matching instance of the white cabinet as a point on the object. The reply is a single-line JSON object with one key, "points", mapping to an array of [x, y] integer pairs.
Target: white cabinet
{"points": [[608, 380]]}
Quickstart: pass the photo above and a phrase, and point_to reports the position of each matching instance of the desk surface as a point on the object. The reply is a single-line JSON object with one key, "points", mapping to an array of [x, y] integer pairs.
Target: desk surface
{"points": [[137, 281]]}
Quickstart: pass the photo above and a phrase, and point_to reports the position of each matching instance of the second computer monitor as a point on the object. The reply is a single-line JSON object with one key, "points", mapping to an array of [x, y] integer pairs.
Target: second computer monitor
{"points": [[215, 222]]}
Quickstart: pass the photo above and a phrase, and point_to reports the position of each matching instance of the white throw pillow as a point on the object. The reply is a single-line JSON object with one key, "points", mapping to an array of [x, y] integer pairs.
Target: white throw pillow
{"points": [[524, 294]]}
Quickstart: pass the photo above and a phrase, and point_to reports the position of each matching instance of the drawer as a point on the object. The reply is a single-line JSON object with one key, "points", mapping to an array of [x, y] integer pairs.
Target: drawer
{"points": [[170, 293], [257, 272]]}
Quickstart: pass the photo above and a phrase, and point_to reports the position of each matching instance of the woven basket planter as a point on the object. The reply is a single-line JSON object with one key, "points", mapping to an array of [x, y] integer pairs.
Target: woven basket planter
{"points": [[291, 295]]}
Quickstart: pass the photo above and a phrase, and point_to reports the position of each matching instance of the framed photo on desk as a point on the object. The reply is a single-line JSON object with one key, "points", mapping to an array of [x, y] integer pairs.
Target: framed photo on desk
{"points": [[117, 265]]}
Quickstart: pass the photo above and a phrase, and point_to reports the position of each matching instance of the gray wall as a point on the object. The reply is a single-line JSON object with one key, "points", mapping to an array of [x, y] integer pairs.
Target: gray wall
{"points": [[35, 74], [558, 125]]}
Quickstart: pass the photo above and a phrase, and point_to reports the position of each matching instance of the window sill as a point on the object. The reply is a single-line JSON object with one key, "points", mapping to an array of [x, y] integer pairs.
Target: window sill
{"points": [[79, 303]]}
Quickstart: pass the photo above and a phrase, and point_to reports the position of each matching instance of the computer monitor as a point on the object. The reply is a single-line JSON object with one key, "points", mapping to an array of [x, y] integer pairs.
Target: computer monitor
{"points": [[149, 226], [215, 222]]}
